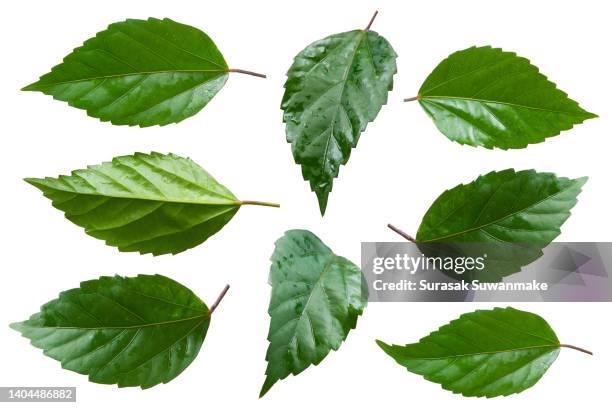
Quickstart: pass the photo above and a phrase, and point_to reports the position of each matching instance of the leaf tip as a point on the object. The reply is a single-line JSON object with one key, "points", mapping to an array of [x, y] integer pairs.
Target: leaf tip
{"points": [[322, 197], [581, 181], [387, 348], [586, 114], [382, 344], [266, 386], [31, 87], [36, 182], [16, 326]]}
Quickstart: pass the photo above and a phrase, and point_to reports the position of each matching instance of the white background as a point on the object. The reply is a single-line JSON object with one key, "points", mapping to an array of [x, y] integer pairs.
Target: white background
{"points": [[401, 165]]}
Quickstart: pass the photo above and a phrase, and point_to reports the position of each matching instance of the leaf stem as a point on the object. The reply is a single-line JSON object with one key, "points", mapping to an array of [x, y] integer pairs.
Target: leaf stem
{"points": [[414, 98], [371, 21], [242, 71], [219, 299], [402, 233], [262, 203], [576, 348]]}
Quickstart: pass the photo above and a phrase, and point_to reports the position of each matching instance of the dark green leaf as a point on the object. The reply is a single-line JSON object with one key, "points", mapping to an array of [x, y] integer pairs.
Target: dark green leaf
{"points": [[502, 208], [139, 72], [139, 331], [487, 97], [150, 203], [316, 299], [334, 88], [486, 353]]}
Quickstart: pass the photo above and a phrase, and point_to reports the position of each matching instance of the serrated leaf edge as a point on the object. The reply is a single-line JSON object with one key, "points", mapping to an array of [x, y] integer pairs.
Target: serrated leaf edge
{"points": [[422, 99], [18, 325], [577, 182]]}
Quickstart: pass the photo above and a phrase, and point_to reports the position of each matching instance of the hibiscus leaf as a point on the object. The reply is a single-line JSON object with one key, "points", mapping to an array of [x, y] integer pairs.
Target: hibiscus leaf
{"points": [[334, 88], [483, 96], [509, 215], [140, 331], [316, 299], [140, 72], [486, 353], [151, 203]]}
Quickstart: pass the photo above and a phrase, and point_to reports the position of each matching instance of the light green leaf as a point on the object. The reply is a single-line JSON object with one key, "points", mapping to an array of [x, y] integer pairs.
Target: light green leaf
{"points": [[512, 215], [140, 331], [316, 299], [140, 72], [486, 353], [151, 203], [334, 88], [484, 96]]}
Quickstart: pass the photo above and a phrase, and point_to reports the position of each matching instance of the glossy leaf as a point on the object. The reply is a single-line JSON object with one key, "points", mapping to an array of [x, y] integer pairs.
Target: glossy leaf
{"points": [[486, 353], [316, 299], [334, 88], [151, 203], [140, 331], [139, 72], [484, 96], [500, 209]]}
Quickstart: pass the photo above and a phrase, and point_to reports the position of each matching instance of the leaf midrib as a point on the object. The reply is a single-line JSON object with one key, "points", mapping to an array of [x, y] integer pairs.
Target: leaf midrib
{"points": [[515, 105], [130, 197], [326, 269], [37, 85], [361, 35], [542, 346], [502, 218], [139, 326]]}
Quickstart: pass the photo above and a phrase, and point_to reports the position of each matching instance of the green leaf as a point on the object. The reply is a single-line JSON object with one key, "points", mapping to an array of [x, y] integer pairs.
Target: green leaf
{"points": [[316, 299], [140, 72], [334, 88], [507, 205], [139, 331], [486, 353], [151, 203], [500, 209], [484, 96]]}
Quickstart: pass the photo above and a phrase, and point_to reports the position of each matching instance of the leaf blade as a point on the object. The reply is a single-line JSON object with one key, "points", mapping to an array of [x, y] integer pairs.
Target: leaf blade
{"points": [[510, 216], [483, 96], [139, 331], [316, 299], [500, 187], [139, 72], [483, 353], [334, 88], [149, 203]]}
